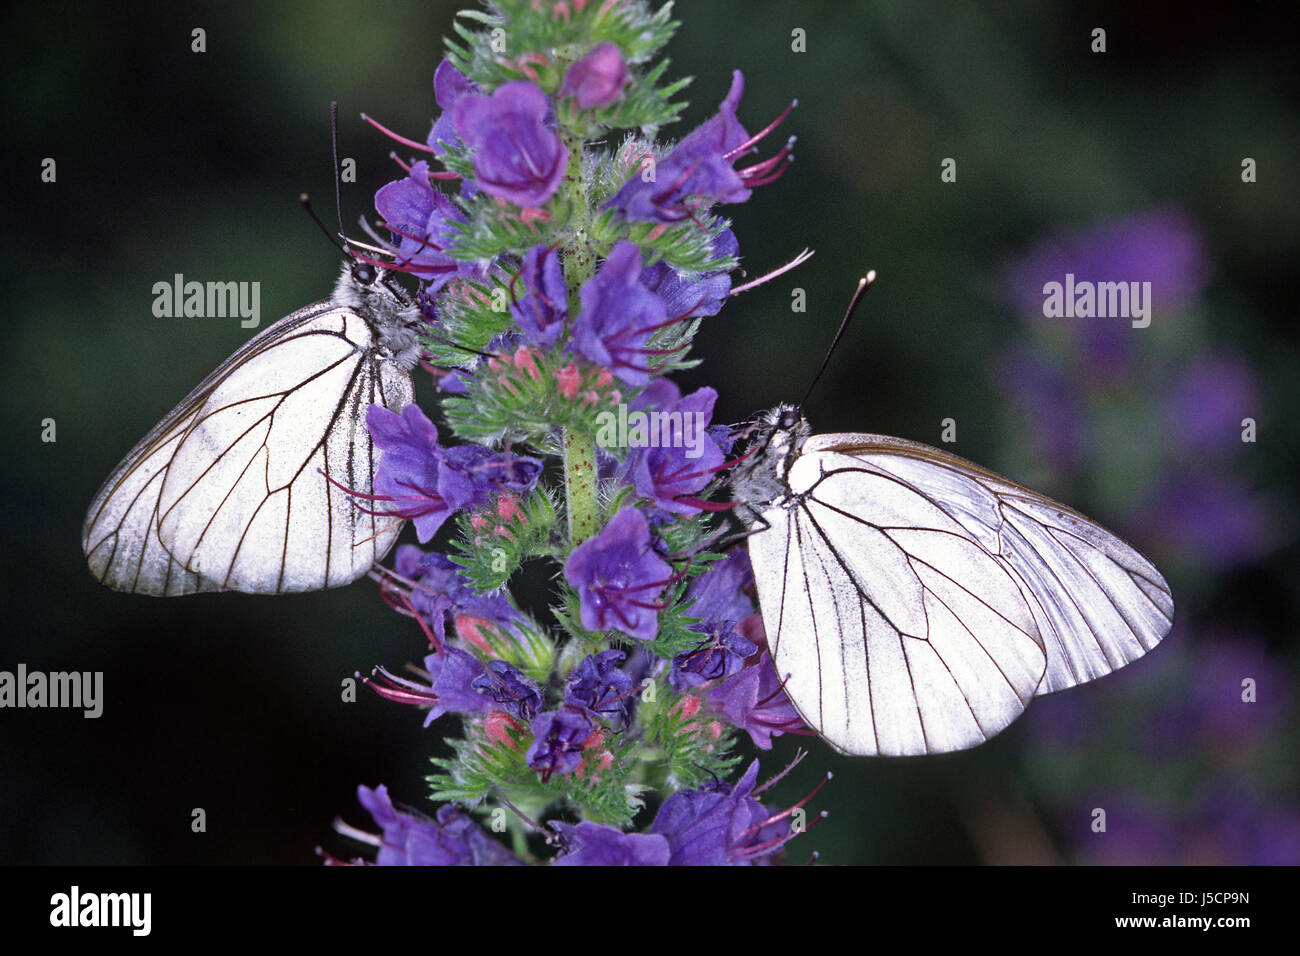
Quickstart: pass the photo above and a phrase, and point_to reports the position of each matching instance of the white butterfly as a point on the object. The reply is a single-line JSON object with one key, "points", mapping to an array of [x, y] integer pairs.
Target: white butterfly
{"points": [[915, 602], [229, 491]]}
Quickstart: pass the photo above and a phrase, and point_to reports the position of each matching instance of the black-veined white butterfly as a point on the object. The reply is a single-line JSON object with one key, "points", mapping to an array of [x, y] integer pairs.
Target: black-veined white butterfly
{"points": [[239, 488], [916, 602]]}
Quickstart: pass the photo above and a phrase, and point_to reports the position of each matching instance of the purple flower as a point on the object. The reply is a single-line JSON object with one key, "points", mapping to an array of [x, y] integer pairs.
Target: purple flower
{"points": [[618, 316], [618, 575], [542, 311], [1206, 406], [455, 673], [440, 587], [683, 458], [1049, 404], [518, 157], [510, 689], [716, 658], [721, 593], [593, 844], [449, 85], [558, 736], [688, 299], [720, 825], [1215, 518], [602, 691], [428, 484], [699, 171], [420, 217], [597, 79], [754, 700], [1160, 246], [452, 839]]}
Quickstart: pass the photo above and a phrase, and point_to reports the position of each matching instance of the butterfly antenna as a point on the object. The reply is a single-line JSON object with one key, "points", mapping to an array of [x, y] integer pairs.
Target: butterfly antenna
{"points": [[338, 184], [306, 204], [863, 285]]}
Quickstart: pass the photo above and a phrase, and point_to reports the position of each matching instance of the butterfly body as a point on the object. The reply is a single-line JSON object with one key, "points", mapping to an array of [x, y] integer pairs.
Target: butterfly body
{"points": [[916, 602], [232, 490]]}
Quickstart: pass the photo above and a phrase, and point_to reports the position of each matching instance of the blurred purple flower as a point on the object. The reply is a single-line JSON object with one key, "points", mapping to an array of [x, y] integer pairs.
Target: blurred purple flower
{"points": [[1160, 246], [597, 79], [1206, 405], [518, 156], [1048, 405], [1213, 518]]}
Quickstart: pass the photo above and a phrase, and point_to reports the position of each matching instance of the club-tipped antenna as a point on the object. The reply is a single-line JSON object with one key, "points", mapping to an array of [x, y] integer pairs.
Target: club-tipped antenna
{"points": [[863, 285]]}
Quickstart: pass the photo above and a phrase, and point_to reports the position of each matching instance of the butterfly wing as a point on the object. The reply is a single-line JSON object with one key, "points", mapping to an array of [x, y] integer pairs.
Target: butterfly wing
{"points": [[227, 492], [1098, 604], [895, 632]]}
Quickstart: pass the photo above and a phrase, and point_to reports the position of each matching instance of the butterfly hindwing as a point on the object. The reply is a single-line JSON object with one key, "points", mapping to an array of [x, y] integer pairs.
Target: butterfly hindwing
{"points": [[1098, 603]]}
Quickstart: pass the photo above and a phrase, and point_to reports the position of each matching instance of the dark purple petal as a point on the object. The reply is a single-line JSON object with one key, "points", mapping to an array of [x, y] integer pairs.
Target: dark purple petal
{"points": [[598, 688], [558, 736], [543, 308], [452, 839], [683, 458]]}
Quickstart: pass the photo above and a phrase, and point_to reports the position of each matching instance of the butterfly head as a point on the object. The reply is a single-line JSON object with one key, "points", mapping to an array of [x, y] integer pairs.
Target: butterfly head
{"points": [[759, 479], [374, 294]]}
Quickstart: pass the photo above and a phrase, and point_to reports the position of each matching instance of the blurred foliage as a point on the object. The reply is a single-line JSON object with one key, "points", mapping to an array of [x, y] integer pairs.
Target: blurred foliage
{"points": [[174, 162]]}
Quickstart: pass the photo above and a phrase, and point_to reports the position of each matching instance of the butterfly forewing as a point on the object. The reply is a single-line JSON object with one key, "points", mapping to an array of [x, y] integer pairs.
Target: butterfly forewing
{"points": [[230, 491], [894, 632], [1097, 603]]}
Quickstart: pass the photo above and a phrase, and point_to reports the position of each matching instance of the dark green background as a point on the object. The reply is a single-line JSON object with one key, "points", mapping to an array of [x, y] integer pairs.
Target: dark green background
{"points": [[171, 162]]}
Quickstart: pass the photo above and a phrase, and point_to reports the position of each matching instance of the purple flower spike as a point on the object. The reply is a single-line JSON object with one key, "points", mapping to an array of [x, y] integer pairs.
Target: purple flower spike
{"points": [[699, 171], [619, 315], [618, 576], [542, 311], [721, 825], [684, 458], [453, 839], [517, 157], [558, 736], [593, 844], [597, 79], [428, 484]]}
